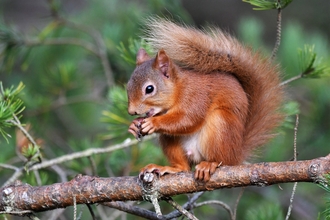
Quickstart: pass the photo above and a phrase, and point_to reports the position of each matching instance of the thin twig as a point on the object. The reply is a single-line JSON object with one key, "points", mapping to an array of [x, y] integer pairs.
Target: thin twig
{"points": [[181, 209], [135, 210], [62, 41], [295, 138], [14, 177], [99, 50], [88, 152], [190, 205], [100, 45], [80, 214], [291, 200], [237, 201], [89, 206], [60, 172], [23, 212], [61, 101], [74, 208], [278, 33], [18, 124], [301, 75], [216, 202], [7, 166], [33, 217], [291, 79], [37, 177], [93, 165], [73, 156], [295, 159], [151, 215]]}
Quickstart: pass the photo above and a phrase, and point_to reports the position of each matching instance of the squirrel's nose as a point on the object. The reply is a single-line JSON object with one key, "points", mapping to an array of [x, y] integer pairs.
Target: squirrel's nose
{"points": [[131, 111]]}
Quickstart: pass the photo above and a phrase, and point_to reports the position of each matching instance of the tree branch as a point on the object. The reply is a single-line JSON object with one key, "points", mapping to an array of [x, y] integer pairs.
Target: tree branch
{"points": [[87, 189]]}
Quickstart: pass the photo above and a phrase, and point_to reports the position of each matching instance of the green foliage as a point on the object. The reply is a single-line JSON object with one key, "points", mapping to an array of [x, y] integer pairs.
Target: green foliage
{"points": [[293, 38], [31, 179], [116, 116], [326, 186], [9, 37], [11, 93], [309, 65], [10, 42], [30, 151], [129, 53], [268, 4], [10, 106], [265, 211], [62, 79]]}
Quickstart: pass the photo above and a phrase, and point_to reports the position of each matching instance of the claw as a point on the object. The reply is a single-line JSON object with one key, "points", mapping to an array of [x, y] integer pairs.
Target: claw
{"points": [[148, 175]]}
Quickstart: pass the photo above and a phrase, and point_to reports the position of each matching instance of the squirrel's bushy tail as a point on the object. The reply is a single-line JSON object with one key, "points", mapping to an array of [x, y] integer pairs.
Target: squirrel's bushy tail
{"points": [[213, 50]]}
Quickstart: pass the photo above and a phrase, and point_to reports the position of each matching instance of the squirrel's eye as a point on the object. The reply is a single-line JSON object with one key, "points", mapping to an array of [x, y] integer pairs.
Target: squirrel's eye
{"points": [[149, 89]]}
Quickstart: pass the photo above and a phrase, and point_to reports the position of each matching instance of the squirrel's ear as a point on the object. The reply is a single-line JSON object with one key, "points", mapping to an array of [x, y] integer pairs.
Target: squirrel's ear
{"points": [[141, 56], [162, 63]]}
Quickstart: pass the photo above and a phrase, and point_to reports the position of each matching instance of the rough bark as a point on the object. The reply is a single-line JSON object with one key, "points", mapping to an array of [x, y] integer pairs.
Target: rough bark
{"points": [[88, 189]]}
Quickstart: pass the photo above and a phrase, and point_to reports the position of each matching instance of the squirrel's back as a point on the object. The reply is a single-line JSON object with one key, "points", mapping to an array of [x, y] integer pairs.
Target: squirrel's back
{"points": [[213, 50]]}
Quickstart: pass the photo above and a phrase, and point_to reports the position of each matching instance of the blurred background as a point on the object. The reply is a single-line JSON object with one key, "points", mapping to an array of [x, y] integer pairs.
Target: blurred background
{"points": [[74, 58]]}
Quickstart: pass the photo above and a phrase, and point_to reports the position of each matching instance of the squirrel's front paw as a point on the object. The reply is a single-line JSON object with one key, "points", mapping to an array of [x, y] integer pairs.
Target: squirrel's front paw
{"points": [[150, 168], [148, 126], [158, 171], [135, 128], [204, 170]]}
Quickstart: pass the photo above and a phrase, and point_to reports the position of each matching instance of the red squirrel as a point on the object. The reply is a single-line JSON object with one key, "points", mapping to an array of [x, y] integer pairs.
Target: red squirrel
{"points": [[211, 99]]}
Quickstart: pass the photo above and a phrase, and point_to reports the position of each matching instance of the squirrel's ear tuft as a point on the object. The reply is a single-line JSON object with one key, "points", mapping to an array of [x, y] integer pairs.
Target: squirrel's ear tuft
{"points": [[162, 63], [141, 56]]}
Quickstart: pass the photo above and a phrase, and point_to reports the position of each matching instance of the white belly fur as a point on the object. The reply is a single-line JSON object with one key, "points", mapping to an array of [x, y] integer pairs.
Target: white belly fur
{"points": [[191, 145]]}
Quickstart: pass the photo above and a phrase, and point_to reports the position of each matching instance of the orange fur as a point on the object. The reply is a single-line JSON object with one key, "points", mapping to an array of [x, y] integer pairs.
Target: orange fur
{"points": [[212, 99]]}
